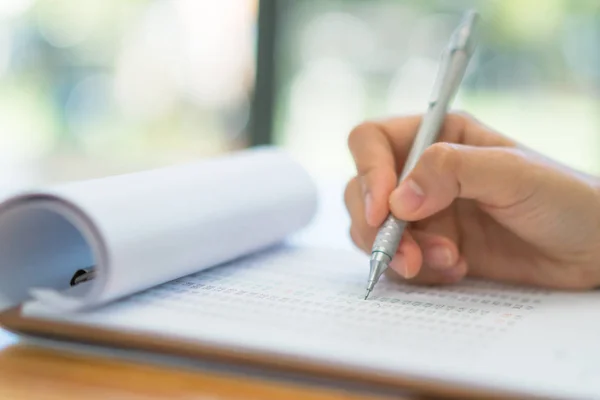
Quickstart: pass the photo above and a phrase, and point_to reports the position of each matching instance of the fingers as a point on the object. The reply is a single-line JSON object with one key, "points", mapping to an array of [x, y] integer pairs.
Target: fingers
{"points": [[376, 169], [361, 232], [380, 150], [428, 276], [427, 256], [441, 261], [460, 128], [442, 253], [408, 258], [495, 177]]}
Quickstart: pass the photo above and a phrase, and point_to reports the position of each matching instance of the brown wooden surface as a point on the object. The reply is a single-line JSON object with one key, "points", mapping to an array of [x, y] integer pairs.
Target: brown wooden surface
{"points": [[32, 372], [267, 362]]}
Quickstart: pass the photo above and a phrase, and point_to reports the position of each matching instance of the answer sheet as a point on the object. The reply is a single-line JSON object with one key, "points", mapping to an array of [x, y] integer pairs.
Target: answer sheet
{"points": [[308, 303], [142, 229]]}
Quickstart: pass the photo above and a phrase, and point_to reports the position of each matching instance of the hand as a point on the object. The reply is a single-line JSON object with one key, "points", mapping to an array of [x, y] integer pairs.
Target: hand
{"points": [[478, 205]]}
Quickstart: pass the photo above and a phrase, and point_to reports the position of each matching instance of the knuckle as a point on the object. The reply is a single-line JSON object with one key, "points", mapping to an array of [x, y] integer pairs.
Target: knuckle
{"points": [[442, 156], [356, 135], [514, 154], [457, 123], [460, 116]]}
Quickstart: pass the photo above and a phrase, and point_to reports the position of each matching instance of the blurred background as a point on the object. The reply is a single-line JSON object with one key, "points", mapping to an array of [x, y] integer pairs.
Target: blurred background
{"points": [[91, 88]]}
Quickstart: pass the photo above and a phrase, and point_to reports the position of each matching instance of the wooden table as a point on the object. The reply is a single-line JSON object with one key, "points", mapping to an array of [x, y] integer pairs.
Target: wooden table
{"points": [[33, 372]]}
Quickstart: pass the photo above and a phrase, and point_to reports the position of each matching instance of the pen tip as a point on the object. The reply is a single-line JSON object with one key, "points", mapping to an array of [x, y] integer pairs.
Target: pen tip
{"points": [[368, 293]]}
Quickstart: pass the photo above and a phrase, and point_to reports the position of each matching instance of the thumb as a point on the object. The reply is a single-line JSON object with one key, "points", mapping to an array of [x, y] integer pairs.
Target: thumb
{"points": [[493, 176]]}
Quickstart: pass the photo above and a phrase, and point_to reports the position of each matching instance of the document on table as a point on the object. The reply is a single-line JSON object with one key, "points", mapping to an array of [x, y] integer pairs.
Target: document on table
{"points": [[308, 303]]}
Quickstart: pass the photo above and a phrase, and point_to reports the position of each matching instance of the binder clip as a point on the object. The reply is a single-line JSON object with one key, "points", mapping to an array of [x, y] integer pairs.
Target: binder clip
{"points": [[83, 275]]}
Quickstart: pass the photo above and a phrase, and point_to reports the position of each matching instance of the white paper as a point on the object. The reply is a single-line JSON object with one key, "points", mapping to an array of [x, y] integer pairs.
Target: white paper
{"points": [[308, 304], [143, 229]]}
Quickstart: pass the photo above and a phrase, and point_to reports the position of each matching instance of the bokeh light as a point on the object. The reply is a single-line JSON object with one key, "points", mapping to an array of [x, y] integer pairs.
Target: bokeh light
{"points": [[217, 59], [5, 47], [148, 64], [65, 23], [14, 8], [326, 99], [97, 87], [535, 76]]}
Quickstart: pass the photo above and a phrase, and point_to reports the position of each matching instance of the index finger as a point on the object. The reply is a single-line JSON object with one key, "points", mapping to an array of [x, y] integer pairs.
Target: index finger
{"points": [[375, 156]]}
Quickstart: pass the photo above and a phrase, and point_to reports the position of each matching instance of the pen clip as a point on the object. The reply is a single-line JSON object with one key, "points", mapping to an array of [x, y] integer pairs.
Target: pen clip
{"points": [[439, 80]]}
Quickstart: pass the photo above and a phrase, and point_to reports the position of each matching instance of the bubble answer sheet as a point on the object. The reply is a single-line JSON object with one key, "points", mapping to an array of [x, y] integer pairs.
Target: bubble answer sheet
{"points": [[203, 260], [307, 303]]}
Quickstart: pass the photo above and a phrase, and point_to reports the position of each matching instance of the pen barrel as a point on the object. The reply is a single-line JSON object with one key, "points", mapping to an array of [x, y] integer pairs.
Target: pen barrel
{"points": [[426, 136], [390, 233], [454, 65], [433, 120], [388, 237]]}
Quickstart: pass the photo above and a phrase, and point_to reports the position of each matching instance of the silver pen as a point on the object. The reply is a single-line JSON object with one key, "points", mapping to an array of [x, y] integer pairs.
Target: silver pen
{"points": [[452, 68]]}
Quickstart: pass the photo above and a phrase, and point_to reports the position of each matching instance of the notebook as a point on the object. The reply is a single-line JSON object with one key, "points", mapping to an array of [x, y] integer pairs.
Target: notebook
{"points": [[199, 261]]}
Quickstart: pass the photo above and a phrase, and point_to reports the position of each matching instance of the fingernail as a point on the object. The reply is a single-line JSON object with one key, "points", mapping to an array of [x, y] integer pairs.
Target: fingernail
{"points": [[368, 207], [439, 256], [398, 265], [408, 197]]}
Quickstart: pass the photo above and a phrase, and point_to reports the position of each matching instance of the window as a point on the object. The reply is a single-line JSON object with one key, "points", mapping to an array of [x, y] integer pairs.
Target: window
{"points": [[535, 76]]}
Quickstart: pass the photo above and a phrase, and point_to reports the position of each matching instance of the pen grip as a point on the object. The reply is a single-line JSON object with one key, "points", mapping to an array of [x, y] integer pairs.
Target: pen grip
{"points": [[388, 237]]}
